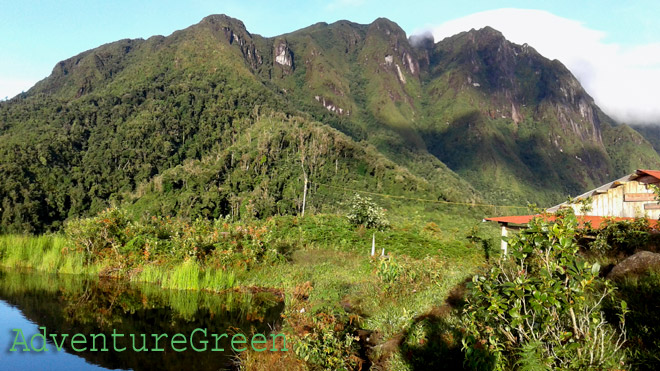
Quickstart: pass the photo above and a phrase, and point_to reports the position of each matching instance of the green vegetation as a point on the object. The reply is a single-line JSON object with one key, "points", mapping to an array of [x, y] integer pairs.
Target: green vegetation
{"points": [[321, 264], [200, 124], [45, 253], [365, 212], [541, 307], [642, 325], [183, 161]]}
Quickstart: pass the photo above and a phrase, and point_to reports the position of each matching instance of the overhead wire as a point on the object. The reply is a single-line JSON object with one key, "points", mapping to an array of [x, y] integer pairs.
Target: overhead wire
{"points": [[420, 199]]}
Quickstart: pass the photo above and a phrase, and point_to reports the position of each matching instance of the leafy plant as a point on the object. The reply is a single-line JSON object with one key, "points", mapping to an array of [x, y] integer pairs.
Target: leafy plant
{"points": [[622, 236], [330, 345], [542, 301], [388, 270]]}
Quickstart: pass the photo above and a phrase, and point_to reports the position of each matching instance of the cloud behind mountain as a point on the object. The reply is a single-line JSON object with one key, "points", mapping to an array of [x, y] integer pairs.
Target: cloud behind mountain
{"points": [[622, 79]]}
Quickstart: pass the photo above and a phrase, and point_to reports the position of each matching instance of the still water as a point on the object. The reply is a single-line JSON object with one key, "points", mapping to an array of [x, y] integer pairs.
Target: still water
{"points": [[79, 305]]}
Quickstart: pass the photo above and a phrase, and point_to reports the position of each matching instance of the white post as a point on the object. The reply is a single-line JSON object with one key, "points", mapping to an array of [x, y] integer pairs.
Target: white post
{"points": [[382, 253], [504, 245], [373, 245]]}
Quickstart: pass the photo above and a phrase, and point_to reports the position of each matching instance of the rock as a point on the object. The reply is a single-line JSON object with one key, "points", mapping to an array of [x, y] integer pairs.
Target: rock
{"points": [[283, 54], [636, 264]]}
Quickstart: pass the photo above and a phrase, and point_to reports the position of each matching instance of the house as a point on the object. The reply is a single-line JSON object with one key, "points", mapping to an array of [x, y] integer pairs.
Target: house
{"points": [[626, 198]]}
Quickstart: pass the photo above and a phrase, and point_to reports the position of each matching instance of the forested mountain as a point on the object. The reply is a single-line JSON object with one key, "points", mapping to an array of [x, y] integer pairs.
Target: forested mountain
{"points": [[213, 120]]}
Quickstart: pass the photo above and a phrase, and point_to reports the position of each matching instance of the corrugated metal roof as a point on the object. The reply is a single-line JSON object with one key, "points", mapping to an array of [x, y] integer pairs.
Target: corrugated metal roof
{"points": [[595, 221], [605, 187]]}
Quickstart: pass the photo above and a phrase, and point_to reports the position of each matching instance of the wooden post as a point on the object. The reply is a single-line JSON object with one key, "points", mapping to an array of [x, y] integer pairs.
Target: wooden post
{"points": [[504, 245]]}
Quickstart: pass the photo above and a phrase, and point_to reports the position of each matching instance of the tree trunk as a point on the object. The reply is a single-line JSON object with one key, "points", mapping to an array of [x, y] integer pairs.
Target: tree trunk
{"points": [[304, 193]]}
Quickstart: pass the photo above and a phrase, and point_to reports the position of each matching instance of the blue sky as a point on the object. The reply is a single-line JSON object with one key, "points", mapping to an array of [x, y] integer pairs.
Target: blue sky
{"points": [[38, 34]]}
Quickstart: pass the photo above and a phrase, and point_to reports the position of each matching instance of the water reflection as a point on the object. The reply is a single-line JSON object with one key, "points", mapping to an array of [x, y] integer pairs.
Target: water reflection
{"points": [[73, 304]]}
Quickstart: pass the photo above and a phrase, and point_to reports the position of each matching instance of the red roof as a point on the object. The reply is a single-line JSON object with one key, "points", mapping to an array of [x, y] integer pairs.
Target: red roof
{"points": [[596, 221], [515, 219], [653, 173]]}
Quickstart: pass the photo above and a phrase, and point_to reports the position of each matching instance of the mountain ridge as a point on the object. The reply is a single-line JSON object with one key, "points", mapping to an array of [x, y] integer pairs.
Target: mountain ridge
{"points": [[471, 117]]}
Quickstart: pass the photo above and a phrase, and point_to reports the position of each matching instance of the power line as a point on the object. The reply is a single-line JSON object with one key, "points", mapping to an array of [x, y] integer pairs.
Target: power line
{"points": [[419, 199]]}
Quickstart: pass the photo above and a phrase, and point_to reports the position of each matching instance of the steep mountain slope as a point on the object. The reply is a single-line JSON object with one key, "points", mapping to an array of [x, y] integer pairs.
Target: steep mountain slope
{"points": [[166, 110], [213, 120], [650, 132], [497, 113], [516, 123]]}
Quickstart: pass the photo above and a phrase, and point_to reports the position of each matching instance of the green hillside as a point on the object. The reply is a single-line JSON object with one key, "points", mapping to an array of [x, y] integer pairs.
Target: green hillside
{"points": [[213, 121], [179, 125]]}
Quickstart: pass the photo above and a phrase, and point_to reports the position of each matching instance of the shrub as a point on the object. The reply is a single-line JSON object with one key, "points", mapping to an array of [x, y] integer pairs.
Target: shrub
{"points": [[93, 236], [622, 236], [541, 305], [388, 270], [330, 345], [365, 212], [218, 244]]}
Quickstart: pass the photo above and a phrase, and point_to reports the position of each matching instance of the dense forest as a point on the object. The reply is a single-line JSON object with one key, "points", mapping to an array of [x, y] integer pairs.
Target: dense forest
{"points": [[213, 121]]}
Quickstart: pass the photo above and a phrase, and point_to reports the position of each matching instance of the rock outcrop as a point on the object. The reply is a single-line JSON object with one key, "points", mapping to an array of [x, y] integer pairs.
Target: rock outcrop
{"points": [[636, 264]]}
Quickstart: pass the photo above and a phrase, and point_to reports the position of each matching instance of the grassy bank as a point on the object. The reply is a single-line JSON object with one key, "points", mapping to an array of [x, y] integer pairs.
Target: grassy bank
{"points": [[336, 294], [47, 253]]}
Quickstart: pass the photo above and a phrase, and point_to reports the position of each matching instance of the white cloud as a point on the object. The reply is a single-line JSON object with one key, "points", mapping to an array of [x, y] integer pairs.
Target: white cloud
{"points": [[624, 80], [10, 87]]}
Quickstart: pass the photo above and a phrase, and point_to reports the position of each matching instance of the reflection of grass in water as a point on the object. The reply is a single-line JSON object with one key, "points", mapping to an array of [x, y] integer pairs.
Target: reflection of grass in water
{"points": [[187, 275], [14, 283], [240, 306], [186, 304]]}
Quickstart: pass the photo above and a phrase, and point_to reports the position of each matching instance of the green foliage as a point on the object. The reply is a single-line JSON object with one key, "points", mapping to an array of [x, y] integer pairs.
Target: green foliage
{"points": [[49, 253], [330, 345], [531, 357], [541, 304], [107, 231], [622, 236], [642, 297], [388, 270], [112, 237], [365, 212]]}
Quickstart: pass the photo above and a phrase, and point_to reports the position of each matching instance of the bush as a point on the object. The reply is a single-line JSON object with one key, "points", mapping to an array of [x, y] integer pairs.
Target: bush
{"points": [[330, 345], [541, 305], [365, 212], [216, 244], [95, 236], [622, 236]]}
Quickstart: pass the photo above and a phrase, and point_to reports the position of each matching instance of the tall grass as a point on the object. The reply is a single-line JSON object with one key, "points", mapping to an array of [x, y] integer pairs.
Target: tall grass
{"points": [[49, 253], [45, 253]]}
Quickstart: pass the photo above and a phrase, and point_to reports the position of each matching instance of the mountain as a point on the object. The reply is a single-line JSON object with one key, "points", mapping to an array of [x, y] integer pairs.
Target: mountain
{"points": [[516, 123], [183, 124], [517, 126], [213, 120]]}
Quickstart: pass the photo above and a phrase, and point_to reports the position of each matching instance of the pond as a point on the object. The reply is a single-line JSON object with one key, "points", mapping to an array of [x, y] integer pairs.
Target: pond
{"points": [[126, 326]]}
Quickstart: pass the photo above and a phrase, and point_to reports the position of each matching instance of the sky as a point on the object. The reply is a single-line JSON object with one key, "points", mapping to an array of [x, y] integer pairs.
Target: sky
{"points": [[613, 47]]}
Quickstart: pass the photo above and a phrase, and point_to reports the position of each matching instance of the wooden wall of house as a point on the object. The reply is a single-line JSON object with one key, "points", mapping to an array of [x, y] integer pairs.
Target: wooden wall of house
{"points": [[631, 199]]}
